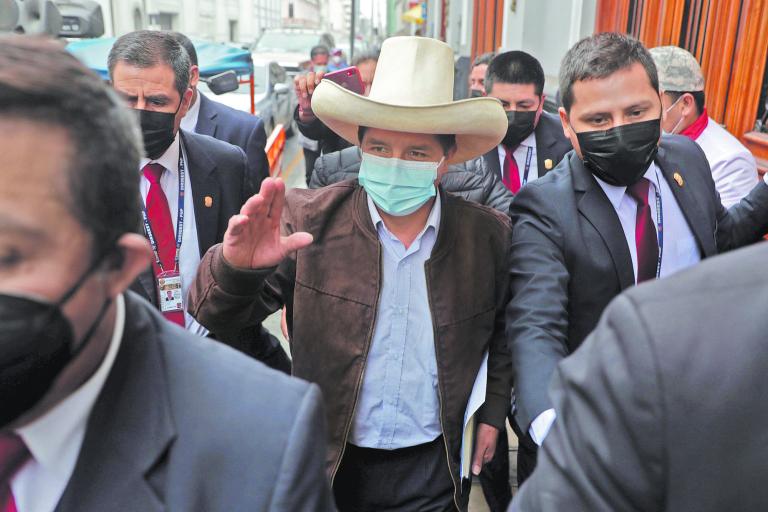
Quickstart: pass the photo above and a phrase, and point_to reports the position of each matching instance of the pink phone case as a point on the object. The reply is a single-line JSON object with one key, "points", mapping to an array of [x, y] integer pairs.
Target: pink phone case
{"points": [[349, 78]]}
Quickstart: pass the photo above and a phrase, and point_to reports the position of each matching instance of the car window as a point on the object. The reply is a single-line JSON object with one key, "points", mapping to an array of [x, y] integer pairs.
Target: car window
{"points": [[286, 42]]}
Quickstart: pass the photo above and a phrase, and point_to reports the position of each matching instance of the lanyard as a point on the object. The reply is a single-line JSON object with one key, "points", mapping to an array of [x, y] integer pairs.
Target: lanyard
{"points": [[528, 157], [179, 222], [659, 224]]}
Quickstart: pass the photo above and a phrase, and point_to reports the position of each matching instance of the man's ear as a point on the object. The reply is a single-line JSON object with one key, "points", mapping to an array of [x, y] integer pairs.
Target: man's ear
{"points": [[194, 76], [540, 110], [564, 121], [689, 103], [135, 256]]}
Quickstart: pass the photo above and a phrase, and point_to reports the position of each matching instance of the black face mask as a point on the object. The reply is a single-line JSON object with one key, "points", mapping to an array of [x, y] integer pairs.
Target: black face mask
{"points": [[476, 93], [157, 130], [36, 343], [620, 156], [520, 124]]}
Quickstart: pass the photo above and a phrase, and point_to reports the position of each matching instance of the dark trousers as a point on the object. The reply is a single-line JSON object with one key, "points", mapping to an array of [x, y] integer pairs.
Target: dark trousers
{"points": [[408, 479], [494, 478], [526, 453]]}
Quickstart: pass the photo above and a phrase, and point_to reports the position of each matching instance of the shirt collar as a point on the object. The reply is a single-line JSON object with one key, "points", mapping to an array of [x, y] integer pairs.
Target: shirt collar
{"points": [[49, 436], [169, 159], [697, 127], [189, 121], [529, 141], [433, 221], [616, 193]]}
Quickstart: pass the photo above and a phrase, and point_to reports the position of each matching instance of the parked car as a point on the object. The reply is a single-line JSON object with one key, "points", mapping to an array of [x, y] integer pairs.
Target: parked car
{"points": [[274, 96], [290, 47]]}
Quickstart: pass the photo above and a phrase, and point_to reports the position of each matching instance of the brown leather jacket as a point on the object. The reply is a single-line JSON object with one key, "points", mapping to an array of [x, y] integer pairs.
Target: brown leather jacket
{"points": [[331, 290]]}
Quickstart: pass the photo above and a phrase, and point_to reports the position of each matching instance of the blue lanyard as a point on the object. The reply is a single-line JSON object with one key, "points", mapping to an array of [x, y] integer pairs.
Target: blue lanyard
{"points": [[528, 158], [659, 224], [179, 222]]}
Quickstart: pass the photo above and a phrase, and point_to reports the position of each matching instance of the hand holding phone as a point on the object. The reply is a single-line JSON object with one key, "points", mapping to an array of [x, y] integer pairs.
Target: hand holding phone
{"points": [[349, 78], [305, 87]]}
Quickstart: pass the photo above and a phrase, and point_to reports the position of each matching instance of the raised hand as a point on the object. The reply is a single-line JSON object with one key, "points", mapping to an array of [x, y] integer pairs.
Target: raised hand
{"points": [[253, 238], [305, 86]]}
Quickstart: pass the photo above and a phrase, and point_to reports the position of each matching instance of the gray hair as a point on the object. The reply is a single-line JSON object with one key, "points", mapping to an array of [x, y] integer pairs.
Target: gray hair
{"points": [[485, 58], [43, 83], [147, 48], [599, 56]]}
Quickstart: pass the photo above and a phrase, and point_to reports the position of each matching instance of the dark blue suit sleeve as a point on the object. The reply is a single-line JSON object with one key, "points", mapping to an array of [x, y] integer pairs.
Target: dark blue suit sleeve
{"points": [[537, 314], [302, 485], [258, 166], [604, 452]]}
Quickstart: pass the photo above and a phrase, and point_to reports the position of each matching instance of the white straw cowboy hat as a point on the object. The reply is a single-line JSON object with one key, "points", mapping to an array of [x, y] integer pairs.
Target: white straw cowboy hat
{"points": [[412, 91]]}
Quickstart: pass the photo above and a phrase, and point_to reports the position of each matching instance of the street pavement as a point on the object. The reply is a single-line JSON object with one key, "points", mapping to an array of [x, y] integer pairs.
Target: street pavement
{"points": [[293, 174]]}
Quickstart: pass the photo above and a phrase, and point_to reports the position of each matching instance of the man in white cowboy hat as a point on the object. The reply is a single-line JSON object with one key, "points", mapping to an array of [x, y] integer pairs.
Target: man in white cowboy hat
{"points": [[397, 289]]}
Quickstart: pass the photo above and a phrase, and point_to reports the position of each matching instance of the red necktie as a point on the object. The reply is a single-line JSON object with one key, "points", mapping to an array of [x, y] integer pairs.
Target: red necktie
{"points": [[162, 228], [645, 232], [13, 455], [511, 173]]}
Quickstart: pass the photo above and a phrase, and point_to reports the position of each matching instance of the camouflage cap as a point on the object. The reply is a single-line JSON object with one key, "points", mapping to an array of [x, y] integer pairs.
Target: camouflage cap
{"points": [[678, 69]]}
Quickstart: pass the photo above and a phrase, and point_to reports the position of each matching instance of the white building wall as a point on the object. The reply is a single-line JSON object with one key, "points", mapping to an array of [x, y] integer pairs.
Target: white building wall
{"points": [[306, 13], [547, 29], [203, 19]]}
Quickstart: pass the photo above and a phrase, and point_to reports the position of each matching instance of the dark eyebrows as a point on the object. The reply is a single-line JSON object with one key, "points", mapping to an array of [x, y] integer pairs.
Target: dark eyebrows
{"points": [[641, 105], [19, 228], [157, 98], [376, 142]]}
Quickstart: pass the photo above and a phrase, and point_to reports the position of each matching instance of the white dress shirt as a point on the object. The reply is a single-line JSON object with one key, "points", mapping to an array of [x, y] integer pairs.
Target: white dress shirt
{"points": [[189, 121], [520, 155], [189, 254], [680, 250], [54, 440], [733, 167]]}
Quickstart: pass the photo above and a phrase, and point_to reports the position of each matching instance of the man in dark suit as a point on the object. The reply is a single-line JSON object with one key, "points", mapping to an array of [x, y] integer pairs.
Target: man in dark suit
{"points": [[105, 405], [209, 117], [535, 142], [665, 401], [620, 210], [214, 187]]}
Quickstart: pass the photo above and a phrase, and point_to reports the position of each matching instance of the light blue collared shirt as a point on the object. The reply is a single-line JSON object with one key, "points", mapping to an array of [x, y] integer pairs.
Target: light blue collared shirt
{"points": [[398, 405]]}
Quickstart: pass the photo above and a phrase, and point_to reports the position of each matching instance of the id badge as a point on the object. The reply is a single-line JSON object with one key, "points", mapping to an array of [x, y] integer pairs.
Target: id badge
{"points": [[169, 292]]}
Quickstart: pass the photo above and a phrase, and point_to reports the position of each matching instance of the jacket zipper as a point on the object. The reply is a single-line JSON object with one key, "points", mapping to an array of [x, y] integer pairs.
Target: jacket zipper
{"points": [[362, 374], [439, 391]]}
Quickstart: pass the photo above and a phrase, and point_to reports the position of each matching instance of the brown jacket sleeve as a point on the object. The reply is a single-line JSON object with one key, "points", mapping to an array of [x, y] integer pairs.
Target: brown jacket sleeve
{"points": [[498, 393], [226, 299]]}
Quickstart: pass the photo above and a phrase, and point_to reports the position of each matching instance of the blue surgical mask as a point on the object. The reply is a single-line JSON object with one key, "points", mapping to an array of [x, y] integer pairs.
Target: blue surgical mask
{"points": [[398, 187]]}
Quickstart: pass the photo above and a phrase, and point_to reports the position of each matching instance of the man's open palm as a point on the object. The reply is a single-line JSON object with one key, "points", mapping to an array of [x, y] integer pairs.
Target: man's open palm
{"points": [[253, 238]]}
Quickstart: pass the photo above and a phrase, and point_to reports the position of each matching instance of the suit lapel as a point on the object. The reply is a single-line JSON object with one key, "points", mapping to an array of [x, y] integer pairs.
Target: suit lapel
{"points": [[597, 209], [206, 118], [130, 428], [206, 193], [544, 145], [689, 205], [145, 286]]}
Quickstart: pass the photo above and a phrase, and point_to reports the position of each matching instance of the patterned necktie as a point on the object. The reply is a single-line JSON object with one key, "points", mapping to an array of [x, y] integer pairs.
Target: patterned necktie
{"points": [[162, 228], [511, 172], [646, 238], [13, 455]]}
